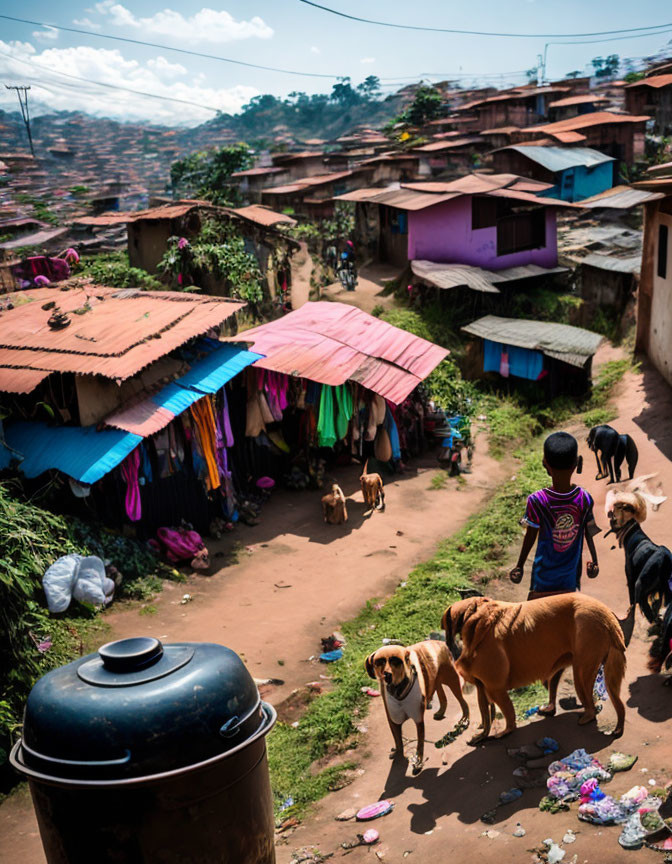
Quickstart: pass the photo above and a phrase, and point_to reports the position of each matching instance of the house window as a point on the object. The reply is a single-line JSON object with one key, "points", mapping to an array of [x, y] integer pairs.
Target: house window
{"points": [[520, 231], [395, 220], [662, 251], [483, 212]]}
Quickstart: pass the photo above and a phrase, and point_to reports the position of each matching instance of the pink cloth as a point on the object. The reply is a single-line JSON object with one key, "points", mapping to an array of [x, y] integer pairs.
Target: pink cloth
{"points": [[129, 471]]}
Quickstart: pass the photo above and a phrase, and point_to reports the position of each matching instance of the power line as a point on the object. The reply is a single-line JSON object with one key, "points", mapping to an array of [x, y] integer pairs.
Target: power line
{"points": [[168, 48], [476, 32], [41, 68]]}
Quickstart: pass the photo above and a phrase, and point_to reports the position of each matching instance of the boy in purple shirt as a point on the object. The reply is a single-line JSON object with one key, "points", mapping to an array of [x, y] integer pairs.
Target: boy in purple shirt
{"points": [[560, 516]]}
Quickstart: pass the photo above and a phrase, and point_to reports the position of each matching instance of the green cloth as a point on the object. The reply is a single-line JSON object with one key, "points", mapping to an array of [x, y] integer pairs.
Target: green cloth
{"points": [[326, 428], [344, 402]]}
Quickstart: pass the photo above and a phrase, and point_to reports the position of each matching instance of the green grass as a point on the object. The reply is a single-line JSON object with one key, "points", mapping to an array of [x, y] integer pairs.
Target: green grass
{"points": [[439, 480]]}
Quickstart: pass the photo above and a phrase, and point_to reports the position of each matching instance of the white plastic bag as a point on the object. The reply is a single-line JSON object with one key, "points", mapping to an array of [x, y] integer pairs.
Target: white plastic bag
{"points": [[80, 577], [59, 582], [90, 582]]}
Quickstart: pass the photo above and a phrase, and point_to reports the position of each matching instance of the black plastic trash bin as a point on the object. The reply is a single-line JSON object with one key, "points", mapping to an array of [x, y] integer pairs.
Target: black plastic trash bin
{"points": [[150, 754]]}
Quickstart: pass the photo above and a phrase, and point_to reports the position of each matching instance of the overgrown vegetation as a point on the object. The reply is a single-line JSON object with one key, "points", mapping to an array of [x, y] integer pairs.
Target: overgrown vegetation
{"points": [[31, 640], [206, 174], [113, 269], [40, 209]]}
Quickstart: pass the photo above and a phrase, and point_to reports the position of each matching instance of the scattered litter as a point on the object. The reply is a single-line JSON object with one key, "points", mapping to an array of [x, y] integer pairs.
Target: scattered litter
{"points": [[44, 645], [371, 836], [532, 711], [652, 782], [510, 795], [346, 815], [374, 811], [621, 762], [292, 822], [295, 724], [599, 687], [280, 585], [555, 854], [331, 656], [489, 816], [400, 533], [449, 737], [490, 833], [519, 831], [186, 598], [370, 691], [331, 643], [570, 837], [388, 641], [287, 803], [548, 745]]}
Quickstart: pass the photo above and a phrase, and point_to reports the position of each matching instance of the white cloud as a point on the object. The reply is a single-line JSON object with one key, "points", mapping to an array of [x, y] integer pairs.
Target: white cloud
{"points": [[49, 34], [314, 49], [109, 66], [207, 25], [368, 60], [86, 22]]}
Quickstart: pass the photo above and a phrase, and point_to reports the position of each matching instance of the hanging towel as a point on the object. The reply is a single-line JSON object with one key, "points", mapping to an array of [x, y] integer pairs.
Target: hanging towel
{"points": [[344, 402], [204, 419], [227, 433], [129, 471], [393, 432], [326, 429]]}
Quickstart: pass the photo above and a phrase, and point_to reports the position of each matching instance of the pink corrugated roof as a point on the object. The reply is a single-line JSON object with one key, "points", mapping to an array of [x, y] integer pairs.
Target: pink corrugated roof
{"points": [[20, 380], [121, 333], [332, 343]]}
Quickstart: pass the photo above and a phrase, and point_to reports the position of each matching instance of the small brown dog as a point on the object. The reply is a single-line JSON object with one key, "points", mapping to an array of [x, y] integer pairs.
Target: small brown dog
{"points": [[408, 679], [511, 645], [333, 506], [372, 489]]}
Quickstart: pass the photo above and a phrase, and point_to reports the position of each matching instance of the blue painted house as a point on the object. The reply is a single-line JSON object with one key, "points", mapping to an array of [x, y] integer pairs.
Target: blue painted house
{"points": [[574, 172]]}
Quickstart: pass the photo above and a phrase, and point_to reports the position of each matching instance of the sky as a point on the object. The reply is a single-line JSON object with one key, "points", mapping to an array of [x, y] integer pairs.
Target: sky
{"points": [[291, 35]]}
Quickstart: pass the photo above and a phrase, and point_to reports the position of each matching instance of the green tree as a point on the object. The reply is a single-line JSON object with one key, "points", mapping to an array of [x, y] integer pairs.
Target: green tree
{"points": [[606, 67], [426, 106], [206, 173], [577, 73], [370, 88], [345, 94]]}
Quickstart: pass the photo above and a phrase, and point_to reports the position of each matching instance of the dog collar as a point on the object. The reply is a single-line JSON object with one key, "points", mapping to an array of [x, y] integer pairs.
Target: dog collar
{"points": [[411, 681]]}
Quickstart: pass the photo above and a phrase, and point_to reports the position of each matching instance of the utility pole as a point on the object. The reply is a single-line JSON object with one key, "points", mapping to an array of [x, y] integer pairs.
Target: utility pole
{"points": [[22, 93], [541, 70]]}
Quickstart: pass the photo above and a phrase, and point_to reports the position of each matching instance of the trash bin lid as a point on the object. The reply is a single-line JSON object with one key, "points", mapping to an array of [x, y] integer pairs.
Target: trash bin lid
{"points": [[137, 708]]}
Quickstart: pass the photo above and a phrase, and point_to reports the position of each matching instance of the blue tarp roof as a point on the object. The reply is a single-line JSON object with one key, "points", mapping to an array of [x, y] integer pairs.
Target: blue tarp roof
{"points": [[88, 454], [81, 452]]}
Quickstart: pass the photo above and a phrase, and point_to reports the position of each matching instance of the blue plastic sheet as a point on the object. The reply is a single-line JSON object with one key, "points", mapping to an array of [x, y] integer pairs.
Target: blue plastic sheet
{"points": [[523, 363]]}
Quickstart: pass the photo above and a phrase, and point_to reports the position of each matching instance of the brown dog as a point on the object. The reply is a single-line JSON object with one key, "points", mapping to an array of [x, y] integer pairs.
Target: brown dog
{"points": [[408, 679], [372, 489], [333, 506], [511, 645]]}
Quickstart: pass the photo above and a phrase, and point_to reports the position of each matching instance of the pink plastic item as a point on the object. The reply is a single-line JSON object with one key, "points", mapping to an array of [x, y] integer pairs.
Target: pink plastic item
{"points": [[184, 545], [373, 811], [265, 483], [371, 836]]}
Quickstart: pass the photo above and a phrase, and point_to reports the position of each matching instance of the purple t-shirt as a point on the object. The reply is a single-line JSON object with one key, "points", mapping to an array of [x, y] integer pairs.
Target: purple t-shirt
{"points": [[562, 519]]}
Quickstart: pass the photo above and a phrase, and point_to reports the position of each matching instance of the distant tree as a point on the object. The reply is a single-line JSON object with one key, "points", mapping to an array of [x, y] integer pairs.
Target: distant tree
{"points": [[206, 173], [606, 67], [426, 106], [577, 73], [531, 74], [344, 93], [633, 76], [370, 88]]}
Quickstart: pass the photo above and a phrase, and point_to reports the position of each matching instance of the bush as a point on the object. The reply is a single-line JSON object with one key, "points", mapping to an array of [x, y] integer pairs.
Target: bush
{"points": [[113, 269]]}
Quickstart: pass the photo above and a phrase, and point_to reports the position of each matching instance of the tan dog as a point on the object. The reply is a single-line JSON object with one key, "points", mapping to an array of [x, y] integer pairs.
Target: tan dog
{"points": [[511, 645], [372, 489], [333, 506], [408, 679]]}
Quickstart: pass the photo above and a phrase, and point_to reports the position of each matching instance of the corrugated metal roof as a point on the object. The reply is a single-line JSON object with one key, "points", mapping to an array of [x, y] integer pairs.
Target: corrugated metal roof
{"points": [[332, 343], [608, 262], [81, 452], [20, 380], [122, 332], [404, 199], [568, 137], [207, 375], [583, 99], [477, 278], [656, 81], [37, 239], [585, 121], [263, 215], [620, 198], [258, 172], [559, 158], [572, 345], [452, 144], [165, 211], [283, 190]]}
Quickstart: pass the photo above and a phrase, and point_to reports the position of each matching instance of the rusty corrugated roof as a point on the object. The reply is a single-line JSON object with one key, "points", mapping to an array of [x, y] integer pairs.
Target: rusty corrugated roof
{"points": [[584, 99], [120, 333], [263, 215], [656, 81], [585, 121], [165, 211], [332, 343], [20, 380]]}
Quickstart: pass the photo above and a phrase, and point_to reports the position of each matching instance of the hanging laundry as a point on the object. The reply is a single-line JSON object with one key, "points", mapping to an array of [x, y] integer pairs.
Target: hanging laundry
{"points": [[204, 419], [129, 471], [393, 432], [344, 402], [227, 433], [326, 428]]}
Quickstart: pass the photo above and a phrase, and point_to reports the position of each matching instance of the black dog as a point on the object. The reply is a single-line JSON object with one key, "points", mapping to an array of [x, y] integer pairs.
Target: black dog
{"points": [[605, 442], [648, 567], [660, 652]]}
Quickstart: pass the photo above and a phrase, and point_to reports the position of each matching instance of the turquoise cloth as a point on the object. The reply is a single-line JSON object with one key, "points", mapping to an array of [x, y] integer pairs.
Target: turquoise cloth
{"points": [[326, 427], [344, 402], [523, 363]]}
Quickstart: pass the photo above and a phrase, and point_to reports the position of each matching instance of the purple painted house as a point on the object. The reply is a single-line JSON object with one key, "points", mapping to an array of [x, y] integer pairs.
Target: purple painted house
{"points": [[491, 222]]}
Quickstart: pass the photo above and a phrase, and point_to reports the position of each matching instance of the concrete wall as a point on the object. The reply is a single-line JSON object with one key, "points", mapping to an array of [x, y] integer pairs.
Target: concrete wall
{"points": [[660, 327], [444, 233]]}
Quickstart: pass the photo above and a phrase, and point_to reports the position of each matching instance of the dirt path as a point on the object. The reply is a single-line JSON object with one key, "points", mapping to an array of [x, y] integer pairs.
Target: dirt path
{"points": [[366, 295], [302, 269], [437, 814], [297, 580]]}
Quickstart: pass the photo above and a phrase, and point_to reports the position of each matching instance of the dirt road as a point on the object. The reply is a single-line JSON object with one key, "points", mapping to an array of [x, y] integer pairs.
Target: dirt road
{"points": [[366, 295], [296, 580], [437, 815]]}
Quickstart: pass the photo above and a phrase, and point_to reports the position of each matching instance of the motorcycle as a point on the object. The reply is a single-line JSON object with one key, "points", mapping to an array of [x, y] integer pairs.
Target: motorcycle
{"points": [[347, 275], [455, 437]]}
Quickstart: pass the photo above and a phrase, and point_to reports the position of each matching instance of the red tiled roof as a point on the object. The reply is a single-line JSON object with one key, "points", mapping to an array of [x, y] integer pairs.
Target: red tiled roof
{"points": [[121, 333]]}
